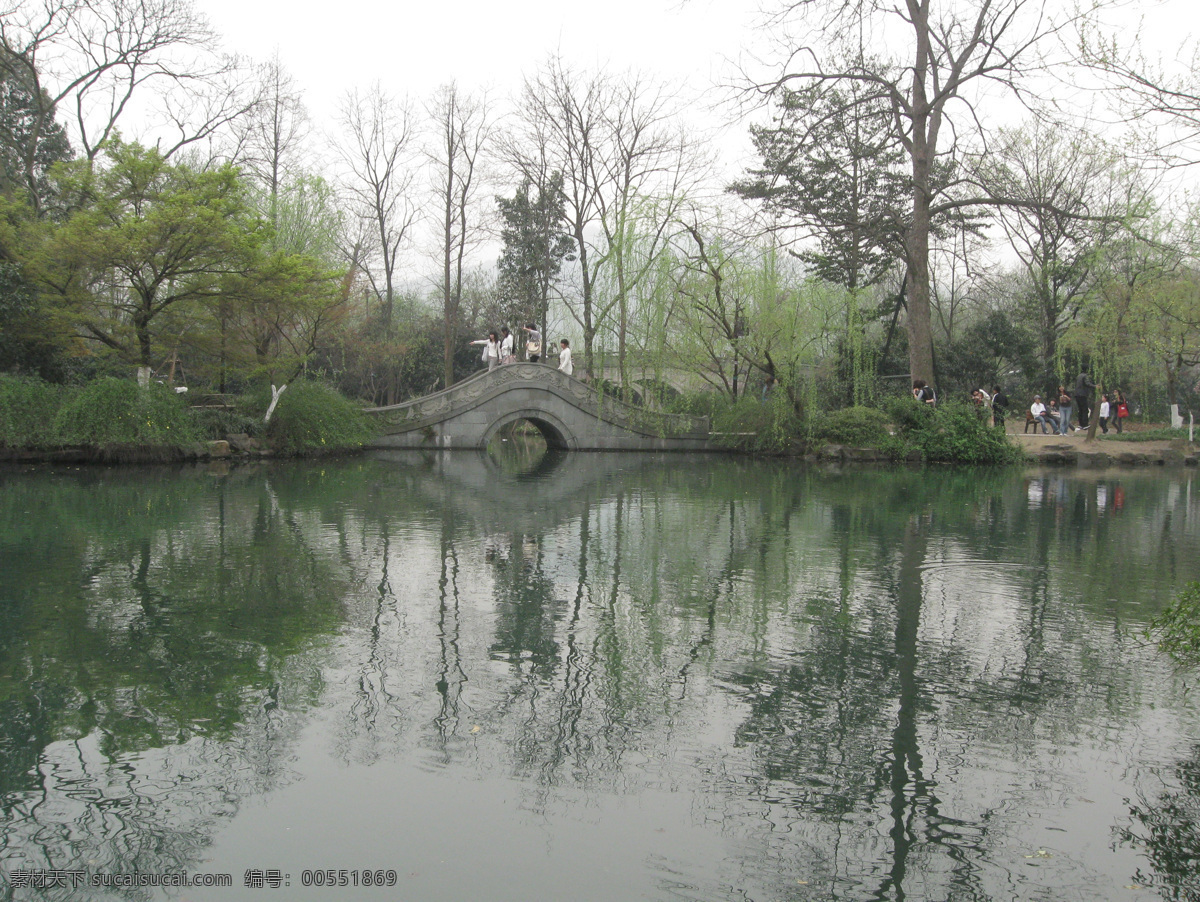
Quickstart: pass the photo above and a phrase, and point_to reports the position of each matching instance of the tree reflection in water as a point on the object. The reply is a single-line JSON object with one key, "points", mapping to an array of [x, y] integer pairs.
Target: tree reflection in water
{"points": [[862, 682], [157, 656], [1168, 829]]}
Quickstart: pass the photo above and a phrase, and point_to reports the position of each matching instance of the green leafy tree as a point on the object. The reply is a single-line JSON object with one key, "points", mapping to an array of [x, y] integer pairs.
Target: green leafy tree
{"points": [[31, 141], [33, 337], [1142, 314], [1164, 320], [147, 237], [270, 320]]}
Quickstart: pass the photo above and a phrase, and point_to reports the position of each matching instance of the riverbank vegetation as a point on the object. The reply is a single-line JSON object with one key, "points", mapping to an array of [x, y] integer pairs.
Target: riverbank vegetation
{"points": [[116, 419], [795, 304], [902, 431]]}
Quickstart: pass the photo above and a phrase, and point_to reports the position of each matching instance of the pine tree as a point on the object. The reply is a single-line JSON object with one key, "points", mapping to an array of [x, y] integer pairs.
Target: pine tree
{"points": [[536, 243]]}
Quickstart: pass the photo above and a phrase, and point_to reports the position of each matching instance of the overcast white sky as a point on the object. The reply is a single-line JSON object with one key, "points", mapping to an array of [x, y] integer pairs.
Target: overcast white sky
{"points": [[412, 47]]}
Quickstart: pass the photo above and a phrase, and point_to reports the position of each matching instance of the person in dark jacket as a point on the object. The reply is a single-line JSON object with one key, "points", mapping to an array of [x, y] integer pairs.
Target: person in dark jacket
{"points": [[1084, 386], [924, 393], [999, 406]]}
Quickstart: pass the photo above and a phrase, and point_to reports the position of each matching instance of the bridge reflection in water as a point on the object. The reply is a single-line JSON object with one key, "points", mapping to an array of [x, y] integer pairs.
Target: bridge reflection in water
{"points": [[571, 415]]}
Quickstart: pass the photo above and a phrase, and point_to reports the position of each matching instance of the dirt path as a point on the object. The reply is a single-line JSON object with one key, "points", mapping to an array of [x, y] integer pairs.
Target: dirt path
{"points": [[1078, 440]]}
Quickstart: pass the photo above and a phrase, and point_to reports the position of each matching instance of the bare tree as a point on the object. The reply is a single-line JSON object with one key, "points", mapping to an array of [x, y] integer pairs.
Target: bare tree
{"points": [[87, 59], [618, 147], [948, 56], [955, 280], [270, 139], [463, 131], [650, 168], [1069, 196], [1162, 101], [559, 130], [377, 147]]}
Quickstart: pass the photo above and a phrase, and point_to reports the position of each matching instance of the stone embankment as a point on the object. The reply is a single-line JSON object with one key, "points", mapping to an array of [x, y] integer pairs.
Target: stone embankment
{"points": [[1075, 450]]}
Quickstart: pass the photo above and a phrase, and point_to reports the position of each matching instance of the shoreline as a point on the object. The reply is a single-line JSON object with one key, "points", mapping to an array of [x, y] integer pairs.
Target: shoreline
{"points": [[1039, 450], [143, 455]]}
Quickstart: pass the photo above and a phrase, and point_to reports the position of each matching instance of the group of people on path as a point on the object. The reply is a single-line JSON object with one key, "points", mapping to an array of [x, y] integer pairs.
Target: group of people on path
{"points": [[1056, 417], [499, 349]]}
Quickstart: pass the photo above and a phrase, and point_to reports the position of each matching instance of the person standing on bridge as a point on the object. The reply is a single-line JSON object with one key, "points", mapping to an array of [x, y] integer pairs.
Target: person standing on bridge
{"points": [[491, 353], [506, 346], [564, 359], [533, 347]]}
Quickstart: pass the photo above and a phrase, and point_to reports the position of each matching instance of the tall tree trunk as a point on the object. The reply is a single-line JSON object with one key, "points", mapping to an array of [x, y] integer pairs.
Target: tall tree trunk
{"points": [[925, 122], [589, 329], [447, 292], [920, 332]]}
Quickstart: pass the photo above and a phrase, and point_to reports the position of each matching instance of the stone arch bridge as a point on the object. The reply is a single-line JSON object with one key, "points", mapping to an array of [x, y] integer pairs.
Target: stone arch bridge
{"points": [[571, 415]]}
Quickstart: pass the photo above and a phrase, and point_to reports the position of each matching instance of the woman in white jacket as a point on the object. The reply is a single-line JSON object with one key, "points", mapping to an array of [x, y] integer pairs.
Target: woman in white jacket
{"points": [[491, 354]]}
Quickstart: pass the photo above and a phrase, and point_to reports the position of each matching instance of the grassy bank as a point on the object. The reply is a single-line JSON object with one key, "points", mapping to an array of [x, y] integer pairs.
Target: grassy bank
{"points": [[114, 419]]}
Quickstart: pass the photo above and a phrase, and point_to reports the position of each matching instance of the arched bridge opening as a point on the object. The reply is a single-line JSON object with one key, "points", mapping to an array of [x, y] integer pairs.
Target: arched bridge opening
{"points": [[556, 434]]}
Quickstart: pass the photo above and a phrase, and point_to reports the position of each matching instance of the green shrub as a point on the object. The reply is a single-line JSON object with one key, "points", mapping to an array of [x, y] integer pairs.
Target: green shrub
{"points": [[116, 411], [27, 411], [747, 424], [311, 416], [219, 422], [860, 427], [953, 433], [1177, 628], [698, 404], [907, 415]]}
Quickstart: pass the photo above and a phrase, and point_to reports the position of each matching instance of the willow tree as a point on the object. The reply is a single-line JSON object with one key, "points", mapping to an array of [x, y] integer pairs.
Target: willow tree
{"points": [[748, 310]]}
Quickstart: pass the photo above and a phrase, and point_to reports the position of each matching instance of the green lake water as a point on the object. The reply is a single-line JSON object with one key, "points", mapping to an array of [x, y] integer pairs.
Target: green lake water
{"points": [[595, 677]]}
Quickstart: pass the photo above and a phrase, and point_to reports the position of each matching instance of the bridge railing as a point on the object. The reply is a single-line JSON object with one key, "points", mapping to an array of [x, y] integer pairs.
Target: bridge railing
{"points": [[430, 409]]}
